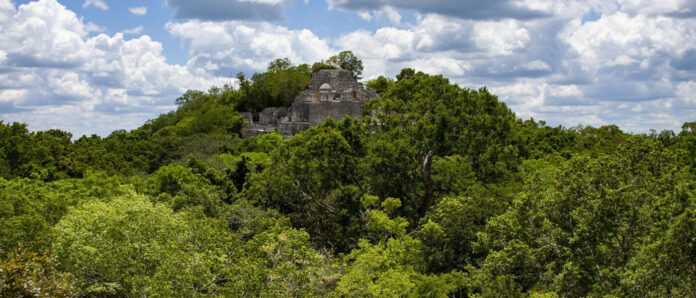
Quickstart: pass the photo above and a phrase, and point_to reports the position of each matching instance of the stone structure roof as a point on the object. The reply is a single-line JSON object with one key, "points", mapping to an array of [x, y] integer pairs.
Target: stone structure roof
{"points": [[330, 93]]}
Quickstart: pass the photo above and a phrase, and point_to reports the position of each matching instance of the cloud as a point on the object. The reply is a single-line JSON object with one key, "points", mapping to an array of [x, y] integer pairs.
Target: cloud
{"points": [[96, 3], [632, 69], [53, 75], [138, 10], [436, 38], [386, 14], [219, 10], [674, 8], [500, 38], [225, 48], [92, 27], [630, 63], [466, 9], [136, 30]]}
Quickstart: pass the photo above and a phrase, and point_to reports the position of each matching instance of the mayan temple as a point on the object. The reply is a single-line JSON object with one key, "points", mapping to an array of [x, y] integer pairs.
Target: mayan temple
{"points": [[330, 93]]}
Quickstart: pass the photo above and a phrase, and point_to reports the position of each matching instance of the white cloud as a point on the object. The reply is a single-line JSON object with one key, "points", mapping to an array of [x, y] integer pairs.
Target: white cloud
{"points": [[439, 45], [44, 33], [63, 78], [96, 3], [620, 40], [12, 95], [6, 11], [69, 84], [234, 46], [92, 27], [536, 65], [687, 93], [636, 70], [500, 38], [271, 2], [387, 14], [365, 15], [138, 10], [647, 7], [448, 67], [136, 30]]}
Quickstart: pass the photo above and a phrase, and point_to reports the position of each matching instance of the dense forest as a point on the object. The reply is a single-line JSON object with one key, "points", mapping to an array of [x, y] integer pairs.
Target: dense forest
{"points": [[437, 191]]}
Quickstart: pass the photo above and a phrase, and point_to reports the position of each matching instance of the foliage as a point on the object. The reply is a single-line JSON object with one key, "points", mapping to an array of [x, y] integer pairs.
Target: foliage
{"points": [[41, 155], [287, 266], [178, 187], [312, 179], [582, 234], [276, 87], [347, 60], [438, 190], [132, 247], [29, 208], [381, 84], [29, 274], [393, 266], [423, 118]]}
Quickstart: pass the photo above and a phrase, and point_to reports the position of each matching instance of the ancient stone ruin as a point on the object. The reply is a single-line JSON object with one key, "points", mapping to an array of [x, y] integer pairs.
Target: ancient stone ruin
{"points": [[330, 93]]}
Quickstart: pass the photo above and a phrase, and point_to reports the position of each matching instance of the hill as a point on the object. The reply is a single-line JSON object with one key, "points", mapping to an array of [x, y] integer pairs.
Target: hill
{"points": [[437, 190]]}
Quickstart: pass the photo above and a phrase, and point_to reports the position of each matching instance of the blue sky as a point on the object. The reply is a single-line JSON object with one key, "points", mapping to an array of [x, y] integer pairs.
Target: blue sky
{"points": [[94, 66]]}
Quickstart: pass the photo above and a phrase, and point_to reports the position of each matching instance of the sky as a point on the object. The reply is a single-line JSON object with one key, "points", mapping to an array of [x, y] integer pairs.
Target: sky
{"points": [[95, 66]]}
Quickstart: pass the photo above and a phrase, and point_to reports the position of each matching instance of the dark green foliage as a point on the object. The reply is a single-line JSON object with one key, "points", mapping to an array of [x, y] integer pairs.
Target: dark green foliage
{"points": [[317, 66], [582, 234], [343, 60], [346, 60], [381, 84], [423, 118], [276, 87], [313, 179], [40, 155]]}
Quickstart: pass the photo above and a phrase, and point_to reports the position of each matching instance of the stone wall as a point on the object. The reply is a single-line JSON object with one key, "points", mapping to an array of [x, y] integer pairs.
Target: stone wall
{"points": [[319, 111], [330, 93]]}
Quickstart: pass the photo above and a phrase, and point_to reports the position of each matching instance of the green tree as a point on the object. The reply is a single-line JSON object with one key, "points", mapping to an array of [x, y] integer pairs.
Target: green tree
{"points": [[131, 247], [29, 207], [347, 60], [314, 180], [381, 84], [422, 118], [29, 274], [581, 235], [393, 266], [276, 87], [179, 187], [287, 266]]}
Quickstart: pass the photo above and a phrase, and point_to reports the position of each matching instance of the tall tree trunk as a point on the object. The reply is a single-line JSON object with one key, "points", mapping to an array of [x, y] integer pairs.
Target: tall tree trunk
{"points": [[428, 187]]}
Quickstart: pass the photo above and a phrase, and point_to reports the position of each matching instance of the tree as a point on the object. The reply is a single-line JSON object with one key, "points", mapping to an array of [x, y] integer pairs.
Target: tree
{"points": [[346, 60], [286, 265], [29, 274], [276, 87], [422, 118], [29, 208], [178, 187], [598, 228], [314, 179], [394, 265], [381, 84], [132, 247]]}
